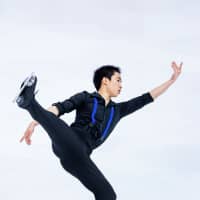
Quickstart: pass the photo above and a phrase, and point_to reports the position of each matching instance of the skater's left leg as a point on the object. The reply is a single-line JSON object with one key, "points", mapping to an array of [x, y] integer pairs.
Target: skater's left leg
{"points": [[90, 176]]}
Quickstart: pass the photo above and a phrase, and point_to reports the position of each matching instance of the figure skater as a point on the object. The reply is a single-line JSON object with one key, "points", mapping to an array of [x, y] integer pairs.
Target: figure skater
{"points": [[96, 117]]}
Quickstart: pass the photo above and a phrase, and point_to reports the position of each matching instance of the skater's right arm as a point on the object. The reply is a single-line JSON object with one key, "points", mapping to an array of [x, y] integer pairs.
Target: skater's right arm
{"points": [[30, 129], [68, 105], [54, 110]]}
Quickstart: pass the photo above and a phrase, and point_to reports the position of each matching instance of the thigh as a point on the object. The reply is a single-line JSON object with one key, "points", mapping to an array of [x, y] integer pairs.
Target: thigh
{"points": [[89, 175], [73, 153], [58, 130]]}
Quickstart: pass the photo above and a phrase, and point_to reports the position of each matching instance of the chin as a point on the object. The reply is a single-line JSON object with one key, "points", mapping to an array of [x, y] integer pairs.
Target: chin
{"points": [[116, 95]]}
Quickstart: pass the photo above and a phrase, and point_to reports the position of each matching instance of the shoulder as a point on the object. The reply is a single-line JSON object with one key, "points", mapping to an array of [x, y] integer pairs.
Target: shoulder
{"points": [[84, 94]]}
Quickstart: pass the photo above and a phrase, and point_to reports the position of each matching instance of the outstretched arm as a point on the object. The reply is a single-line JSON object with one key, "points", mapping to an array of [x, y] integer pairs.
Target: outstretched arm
{"points": [[58, 109], [163, 87], [30, 129]]}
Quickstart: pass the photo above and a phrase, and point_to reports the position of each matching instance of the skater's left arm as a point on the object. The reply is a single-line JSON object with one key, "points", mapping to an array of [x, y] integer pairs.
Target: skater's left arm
{"points": [[163, 87], [136, 103]]}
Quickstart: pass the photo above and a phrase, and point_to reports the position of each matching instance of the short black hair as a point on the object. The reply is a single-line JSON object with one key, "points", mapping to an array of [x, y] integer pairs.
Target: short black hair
{"points": [[104, 71]]}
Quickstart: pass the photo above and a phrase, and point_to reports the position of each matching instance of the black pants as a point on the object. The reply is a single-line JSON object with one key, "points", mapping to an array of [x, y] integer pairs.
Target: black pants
{"points": [[73, 152]]}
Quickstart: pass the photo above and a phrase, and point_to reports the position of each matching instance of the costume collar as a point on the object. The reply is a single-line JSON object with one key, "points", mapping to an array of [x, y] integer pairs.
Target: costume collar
{"points": [[96, 94]]}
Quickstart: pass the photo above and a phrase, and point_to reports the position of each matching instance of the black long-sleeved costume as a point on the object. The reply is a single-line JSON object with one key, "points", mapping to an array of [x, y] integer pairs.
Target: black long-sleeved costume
{"points": [[84, 104], [73, 144]]}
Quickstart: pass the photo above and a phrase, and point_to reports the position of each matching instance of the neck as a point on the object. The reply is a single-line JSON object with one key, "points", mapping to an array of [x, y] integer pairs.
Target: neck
{"points": [[105, 95]]}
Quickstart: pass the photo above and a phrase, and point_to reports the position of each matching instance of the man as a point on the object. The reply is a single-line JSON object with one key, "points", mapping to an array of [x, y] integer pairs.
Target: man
{"points": [[96, 117]]}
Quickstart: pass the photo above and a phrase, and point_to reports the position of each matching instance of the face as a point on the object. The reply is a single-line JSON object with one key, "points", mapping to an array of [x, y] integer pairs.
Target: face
{"points": [[114, 85]]}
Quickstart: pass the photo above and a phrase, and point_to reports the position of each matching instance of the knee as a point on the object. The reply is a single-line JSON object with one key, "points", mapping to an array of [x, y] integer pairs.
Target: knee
{"points": [[113, 195], [106, 194], [110, 193]]}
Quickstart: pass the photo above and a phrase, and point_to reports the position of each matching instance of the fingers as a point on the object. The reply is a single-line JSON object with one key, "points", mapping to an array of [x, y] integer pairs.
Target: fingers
{"points": [[176, 68], [181, 66], [21, 140], [175, 65], [26, 137], [28, 141]]}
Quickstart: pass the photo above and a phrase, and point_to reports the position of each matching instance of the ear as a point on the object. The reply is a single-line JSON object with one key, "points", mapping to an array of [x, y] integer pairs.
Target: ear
{"points": [[104, 80]]}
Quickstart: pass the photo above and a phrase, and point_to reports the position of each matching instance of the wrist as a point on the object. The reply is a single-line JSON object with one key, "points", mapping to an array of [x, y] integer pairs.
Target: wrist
{"points": [[34, 123], [171, 81]]}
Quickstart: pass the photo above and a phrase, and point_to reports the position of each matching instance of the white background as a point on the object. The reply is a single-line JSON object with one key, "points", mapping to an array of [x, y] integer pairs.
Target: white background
{"points": [[153, 153]]}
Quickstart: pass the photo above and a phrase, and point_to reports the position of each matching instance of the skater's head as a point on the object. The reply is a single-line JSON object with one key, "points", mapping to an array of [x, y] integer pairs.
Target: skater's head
{"points": [[108, 79]]}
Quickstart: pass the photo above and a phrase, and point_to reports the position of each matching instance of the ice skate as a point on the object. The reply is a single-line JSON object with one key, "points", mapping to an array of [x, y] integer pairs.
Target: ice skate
{"points": [[27, 91]]}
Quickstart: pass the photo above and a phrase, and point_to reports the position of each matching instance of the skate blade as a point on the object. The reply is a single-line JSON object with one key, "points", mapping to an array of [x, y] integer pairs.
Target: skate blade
{"points": [[27, 82]]}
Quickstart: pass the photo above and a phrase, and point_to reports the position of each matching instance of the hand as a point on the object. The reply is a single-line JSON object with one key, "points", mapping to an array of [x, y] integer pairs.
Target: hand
{"points": [[177, 71], [28, 133]]}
